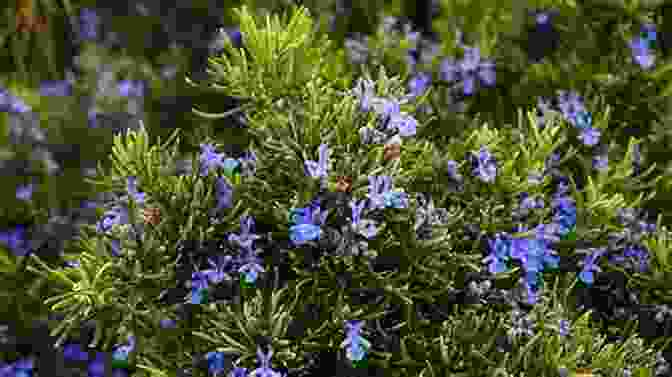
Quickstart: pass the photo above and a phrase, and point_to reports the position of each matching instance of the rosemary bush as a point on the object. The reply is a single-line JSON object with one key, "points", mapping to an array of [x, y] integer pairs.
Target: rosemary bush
{"points": [[403, 206]]}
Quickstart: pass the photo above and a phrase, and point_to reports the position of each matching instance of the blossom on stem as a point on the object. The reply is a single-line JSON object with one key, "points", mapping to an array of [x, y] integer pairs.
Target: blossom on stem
{"points": [[318, 169]]}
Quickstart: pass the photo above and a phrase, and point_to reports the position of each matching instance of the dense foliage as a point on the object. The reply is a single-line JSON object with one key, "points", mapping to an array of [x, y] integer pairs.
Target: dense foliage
{"points": [[455, 188]]}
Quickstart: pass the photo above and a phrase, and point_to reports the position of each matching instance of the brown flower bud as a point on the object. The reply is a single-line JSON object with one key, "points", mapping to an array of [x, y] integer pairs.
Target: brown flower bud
{"points": [[151, 216], [391, 152], [344, 184]]}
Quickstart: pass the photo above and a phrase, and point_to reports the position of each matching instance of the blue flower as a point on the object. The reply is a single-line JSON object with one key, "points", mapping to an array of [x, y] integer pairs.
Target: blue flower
{"points": [[210, 159], [386, 109], [601, 162], [116, 247], [564, 213], [453, 170], [571, 105], [74, 352], [406, 125], [132, 189], [238, 372], [116, 216], [235, 36], [318, 169], [224, 195], [641, 53], [219, 270], [264, 369], [365, 227], [19, 368], [246, 236], [307, 224], [25, 192], [131, 88], [364, 91], [215, 362], [419, 83], [590, 136], [96, 367], [15, 240], [590, 266], [121, 353], [355, 345], [395, 199], [583, 120], [59, 88], [12, 104], [250, 265], [500, 249], [564, 327], [89, 22], [486, 166], [167, 323], [470, 69]]}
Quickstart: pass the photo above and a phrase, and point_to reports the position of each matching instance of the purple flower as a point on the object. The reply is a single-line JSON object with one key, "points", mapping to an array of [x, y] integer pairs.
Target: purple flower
{"points": [[405, 124], [449, 70], [235, 36], [486, 166], [11, 104], [97, 365], [564, 213], [590, 136], [122, 352], [366, 228], [355, 345], [307, 222], [25, 192], [15, 240], [250, 265], [500, 249], [564, 327], [210, 159], [318, 169], [381, 195], [61, 88], [132, 189], [419, 83], [386, 110], [116, 216], [219, 270], [74, 352], [590, 266], [116, 247], [364, 91], [641, 53], [264, 369], [473, 69], [19, 368], [89, 22], [167, 323], [453, 172], [238, 372], [246, 237], [131, 88], [571, 105], [601, 162], [224, 194]]}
